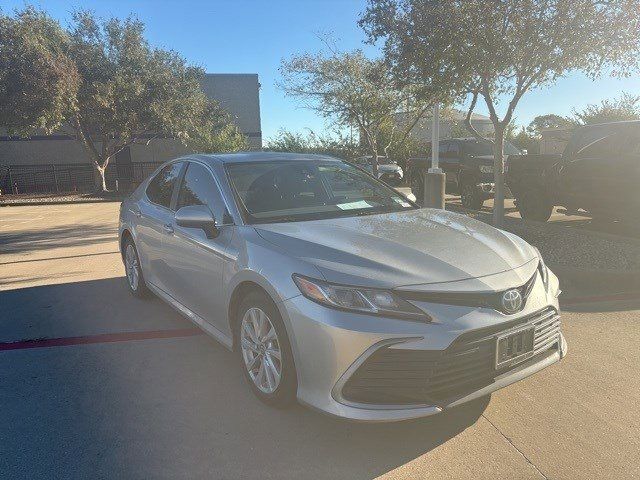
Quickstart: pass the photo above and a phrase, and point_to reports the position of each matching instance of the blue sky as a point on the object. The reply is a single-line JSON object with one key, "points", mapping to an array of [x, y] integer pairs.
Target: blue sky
{"points": [[254, 36]]}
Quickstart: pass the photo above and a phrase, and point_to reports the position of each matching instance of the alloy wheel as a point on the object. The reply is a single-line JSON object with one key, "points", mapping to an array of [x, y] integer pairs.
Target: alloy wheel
{"points": [[132, 267], [261, 350]]}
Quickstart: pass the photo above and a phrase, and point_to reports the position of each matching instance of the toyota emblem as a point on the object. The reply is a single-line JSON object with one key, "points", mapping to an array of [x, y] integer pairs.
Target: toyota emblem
{"points": [[511, 301]]}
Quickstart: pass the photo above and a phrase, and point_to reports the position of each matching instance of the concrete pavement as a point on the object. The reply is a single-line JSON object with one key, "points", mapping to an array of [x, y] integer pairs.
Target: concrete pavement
{"points": [[176, 406]]}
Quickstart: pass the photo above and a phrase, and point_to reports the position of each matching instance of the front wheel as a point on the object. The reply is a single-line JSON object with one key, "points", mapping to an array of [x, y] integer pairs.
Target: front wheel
{"points": [[264, 351], [471, 196], [534, 206]]}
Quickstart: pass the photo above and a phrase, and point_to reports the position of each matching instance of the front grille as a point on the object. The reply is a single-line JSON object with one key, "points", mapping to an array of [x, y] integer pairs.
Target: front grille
{"points": [[397, 376], [470, 299]]}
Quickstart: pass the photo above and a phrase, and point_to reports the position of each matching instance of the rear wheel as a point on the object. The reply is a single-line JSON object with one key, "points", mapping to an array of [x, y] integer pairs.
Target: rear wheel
{"points": [[471, 196], [264, 351], [135, 278], [534, 206]]}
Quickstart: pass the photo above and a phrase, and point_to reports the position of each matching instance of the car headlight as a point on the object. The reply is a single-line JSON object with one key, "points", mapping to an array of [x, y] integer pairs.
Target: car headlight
{"points": [[486, 168], [358, 299]]}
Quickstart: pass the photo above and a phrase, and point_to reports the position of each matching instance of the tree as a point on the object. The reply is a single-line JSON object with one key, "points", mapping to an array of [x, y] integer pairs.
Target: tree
{"points": [[337, 145], [350, 90], [544, 122], [103, 83], [501, 49], [38, 81], [626, 107], [130, 93]]}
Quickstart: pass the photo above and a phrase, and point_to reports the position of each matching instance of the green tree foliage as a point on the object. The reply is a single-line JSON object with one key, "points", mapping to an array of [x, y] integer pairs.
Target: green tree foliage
{"points": [[336, 145], [350, 90], [499, 50], [104, 82], [626, 107], [544, 122], [38, 81], [130, 92]]}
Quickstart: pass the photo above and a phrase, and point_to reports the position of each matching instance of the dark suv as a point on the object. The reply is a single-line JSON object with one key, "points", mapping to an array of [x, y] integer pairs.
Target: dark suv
{"points": [[598, 173], [468, 163]]}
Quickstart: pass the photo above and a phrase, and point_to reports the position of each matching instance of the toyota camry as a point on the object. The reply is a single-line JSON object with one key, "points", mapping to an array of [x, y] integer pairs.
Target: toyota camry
{"points": [[335, 290]]}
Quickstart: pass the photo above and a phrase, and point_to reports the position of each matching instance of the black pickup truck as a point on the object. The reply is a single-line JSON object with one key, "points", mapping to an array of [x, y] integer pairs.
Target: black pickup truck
{"points": [[468, 164], [598, 173]]}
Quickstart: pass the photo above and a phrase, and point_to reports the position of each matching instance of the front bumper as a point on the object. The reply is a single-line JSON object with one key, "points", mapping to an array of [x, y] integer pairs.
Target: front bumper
{"points": [[330, 347]]}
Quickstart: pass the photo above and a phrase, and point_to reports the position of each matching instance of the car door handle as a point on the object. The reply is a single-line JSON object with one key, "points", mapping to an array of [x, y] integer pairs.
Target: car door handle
{"points": [[168, 228]]}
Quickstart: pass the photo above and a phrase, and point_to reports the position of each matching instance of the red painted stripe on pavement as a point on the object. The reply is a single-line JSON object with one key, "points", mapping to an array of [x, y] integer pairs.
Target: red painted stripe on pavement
{"points": [[100, 338], [601, 298]]}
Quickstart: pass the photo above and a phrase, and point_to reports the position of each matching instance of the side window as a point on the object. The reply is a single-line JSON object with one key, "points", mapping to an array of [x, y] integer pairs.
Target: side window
{"points": [[199, 188], [454, 150], [160, 189], [606, 146], [442, 149]]}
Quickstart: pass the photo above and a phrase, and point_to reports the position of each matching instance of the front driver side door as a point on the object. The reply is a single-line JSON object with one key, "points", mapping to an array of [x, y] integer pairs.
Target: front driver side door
{"points": [[197, 262]]}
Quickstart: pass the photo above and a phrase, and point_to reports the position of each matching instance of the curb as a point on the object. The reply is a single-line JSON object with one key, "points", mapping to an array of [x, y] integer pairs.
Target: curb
{"points": [[62, 202]]}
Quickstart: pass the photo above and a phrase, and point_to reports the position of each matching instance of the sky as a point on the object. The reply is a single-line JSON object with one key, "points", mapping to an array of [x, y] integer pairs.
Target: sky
{"points": [[255, 36]]}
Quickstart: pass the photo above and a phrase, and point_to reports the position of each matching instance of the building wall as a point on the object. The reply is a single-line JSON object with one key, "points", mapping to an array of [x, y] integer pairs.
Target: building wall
{"points": [[59, 150], [239, 94]]}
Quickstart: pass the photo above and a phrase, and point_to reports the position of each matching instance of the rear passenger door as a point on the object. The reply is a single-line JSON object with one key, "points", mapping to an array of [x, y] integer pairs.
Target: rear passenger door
{"points": [[591, 177], [196, 262], [155, 216]]}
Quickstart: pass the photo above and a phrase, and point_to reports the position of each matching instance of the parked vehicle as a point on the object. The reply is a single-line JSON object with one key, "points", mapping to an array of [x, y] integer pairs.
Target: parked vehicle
{"points": [[468, 164], [598, 173], [334, 289], [388, 170]]}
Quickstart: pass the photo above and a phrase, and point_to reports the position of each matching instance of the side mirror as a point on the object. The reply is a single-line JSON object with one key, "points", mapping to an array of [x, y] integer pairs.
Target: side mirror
{"points": [[197, 216]]}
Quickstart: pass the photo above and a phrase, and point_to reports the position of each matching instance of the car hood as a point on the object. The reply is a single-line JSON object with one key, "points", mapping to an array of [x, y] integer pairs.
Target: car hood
{"points": [[398, 249]]}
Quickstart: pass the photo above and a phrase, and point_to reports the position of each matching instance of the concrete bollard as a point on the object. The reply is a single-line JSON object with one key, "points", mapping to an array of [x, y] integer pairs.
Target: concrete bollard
{"points": [[434, 186]]}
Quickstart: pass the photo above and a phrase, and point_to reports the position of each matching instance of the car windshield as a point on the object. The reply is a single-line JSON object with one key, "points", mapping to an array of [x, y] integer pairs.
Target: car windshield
{"points": [[290, 191], [477, 149]]}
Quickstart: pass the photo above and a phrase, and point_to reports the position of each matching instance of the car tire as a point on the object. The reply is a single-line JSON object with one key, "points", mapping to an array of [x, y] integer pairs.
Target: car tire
{"points": [[471, 196], [261, 338], [533, 206], [133, 270]]}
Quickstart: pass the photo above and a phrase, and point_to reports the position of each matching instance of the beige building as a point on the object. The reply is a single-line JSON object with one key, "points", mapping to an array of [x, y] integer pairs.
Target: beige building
{"points": [[58, 162]]}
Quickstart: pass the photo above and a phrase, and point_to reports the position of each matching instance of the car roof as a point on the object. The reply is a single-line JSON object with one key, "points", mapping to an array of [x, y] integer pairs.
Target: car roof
{"points": [[244, 157]]}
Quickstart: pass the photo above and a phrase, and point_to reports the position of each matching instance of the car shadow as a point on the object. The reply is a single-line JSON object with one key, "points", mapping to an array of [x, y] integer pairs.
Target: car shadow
{"points": [[56, 237], [170, 407]]}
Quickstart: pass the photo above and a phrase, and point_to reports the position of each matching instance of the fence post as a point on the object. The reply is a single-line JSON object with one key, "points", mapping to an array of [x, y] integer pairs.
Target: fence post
{"points": [[55, 177]]}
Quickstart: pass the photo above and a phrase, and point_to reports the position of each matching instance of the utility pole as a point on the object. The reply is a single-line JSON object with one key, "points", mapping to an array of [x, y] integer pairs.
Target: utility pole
{"points": [[435, 180]]}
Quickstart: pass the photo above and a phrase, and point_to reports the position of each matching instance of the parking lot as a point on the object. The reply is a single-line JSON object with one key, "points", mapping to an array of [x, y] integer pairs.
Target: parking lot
{"points": [[97, 384]]}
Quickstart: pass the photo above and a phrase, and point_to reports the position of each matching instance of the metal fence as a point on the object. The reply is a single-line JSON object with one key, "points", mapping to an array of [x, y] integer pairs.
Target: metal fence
{"points": [[65, 178]]}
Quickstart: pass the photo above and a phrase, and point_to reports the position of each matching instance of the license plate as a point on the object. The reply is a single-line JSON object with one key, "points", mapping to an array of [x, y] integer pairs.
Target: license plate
{"points": [[514, 347]]}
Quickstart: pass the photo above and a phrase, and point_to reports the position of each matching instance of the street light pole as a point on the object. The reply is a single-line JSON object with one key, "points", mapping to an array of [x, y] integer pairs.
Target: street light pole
{"points": [[435, 180]]}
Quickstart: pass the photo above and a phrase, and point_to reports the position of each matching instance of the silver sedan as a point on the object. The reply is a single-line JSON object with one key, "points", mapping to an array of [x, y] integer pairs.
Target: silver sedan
{"points": [[335, 290]]}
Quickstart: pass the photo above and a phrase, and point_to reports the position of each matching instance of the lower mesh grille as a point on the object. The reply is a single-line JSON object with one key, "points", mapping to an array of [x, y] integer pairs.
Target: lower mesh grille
{"points": [[396, 376]]}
